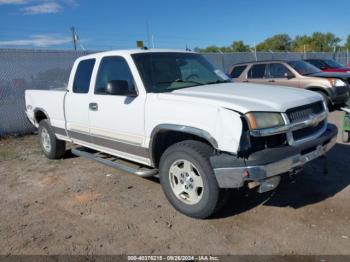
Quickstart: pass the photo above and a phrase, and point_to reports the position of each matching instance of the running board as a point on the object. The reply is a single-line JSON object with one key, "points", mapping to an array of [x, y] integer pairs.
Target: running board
{"points": [[114, 162]]}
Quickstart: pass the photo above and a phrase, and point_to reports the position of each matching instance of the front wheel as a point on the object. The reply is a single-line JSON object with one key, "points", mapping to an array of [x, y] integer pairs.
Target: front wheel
{"points": [[188, 179], [52, 147]]}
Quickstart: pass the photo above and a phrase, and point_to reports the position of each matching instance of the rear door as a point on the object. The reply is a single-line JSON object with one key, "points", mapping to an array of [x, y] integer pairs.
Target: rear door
{"points": [[279, 74], [117, 121], [77, 102]]}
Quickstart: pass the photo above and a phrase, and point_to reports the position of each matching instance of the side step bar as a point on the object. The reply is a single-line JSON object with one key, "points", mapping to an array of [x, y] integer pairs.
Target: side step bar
{"points": [[114, 162]]}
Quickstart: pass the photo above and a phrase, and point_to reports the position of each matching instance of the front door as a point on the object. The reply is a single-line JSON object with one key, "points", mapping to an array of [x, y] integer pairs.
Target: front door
{"points": [[117, 121], [279, 74]]}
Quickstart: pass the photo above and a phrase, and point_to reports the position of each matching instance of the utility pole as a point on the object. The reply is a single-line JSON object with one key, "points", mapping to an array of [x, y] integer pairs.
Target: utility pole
{"points": [[74, 38], [153, 41]]}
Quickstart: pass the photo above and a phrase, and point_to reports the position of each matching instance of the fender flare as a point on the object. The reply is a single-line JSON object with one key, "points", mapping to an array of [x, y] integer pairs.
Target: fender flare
{"points": [[180, 128], [320, 88]]}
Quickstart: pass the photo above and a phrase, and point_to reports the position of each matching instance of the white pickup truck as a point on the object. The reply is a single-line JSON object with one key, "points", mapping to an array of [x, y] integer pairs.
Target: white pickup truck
{"points": [[172, 114]]}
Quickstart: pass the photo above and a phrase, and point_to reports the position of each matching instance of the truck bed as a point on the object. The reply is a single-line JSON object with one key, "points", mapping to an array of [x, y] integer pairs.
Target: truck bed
{"points": [[49, 101]]}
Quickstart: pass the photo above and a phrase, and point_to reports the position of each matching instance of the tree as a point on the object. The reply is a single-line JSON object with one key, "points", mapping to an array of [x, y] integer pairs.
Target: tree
{"points": [[317, 42], [279, 42], [239, 46], [324, 42], [208, 49], [347, 44], [301, 43]]}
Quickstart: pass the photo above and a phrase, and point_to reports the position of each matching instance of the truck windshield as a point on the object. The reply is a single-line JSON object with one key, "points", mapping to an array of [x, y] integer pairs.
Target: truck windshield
{"points": [[304, 68], [166, 72]]}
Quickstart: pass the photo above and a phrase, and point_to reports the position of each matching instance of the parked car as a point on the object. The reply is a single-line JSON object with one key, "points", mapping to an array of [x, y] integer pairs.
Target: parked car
{"points": [[328, 65], [172, 113], [295, 74]]}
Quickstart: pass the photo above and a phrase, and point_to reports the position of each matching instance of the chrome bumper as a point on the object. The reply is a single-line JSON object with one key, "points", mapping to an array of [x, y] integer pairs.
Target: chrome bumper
{"points": [[288, 164], [234, 177]]}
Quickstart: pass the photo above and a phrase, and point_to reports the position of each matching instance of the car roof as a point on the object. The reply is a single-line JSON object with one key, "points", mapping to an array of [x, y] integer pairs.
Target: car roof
{"points": [[265, 61], [131, 52]]}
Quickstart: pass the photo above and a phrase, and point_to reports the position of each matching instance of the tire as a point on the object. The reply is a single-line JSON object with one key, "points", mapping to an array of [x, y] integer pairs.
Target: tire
{"points": [[203, 199], [52, 147]]}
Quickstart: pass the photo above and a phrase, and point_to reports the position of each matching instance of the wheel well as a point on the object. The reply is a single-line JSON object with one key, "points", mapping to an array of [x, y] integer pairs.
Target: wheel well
{"points": [[318, 89], [166, 138], [39, 115]]}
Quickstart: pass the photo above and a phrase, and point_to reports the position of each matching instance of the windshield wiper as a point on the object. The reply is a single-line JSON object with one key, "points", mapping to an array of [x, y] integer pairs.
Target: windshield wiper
{"points": [[218, 82], [180, 81], [187, 81]]}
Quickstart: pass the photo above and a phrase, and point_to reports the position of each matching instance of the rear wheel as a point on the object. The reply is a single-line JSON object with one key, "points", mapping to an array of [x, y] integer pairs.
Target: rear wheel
{"points": [[188, 179], [52, 147]]}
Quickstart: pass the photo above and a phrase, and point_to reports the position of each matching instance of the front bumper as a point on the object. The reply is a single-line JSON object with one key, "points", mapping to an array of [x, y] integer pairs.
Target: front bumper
{"points": [[232, 172]]}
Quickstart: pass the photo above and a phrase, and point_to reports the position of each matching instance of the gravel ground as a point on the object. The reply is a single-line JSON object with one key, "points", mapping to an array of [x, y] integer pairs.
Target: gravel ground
{"points": [[76, 206]]}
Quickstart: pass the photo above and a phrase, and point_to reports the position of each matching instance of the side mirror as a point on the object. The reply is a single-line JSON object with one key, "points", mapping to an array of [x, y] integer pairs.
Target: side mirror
{"points": [[289, 75], [120, 88]]}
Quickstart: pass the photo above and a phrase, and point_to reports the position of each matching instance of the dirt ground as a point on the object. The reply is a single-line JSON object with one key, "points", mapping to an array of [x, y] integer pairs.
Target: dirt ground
{"points": [[76, 206]]}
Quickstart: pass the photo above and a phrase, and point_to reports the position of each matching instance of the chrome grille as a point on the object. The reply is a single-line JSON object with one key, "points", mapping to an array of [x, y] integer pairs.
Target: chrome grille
{"points": [[308, 131], [301, 113]]}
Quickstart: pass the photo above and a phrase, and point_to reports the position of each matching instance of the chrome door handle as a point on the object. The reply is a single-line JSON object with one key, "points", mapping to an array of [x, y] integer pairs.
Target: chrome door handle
{"points": [[93, 106]]}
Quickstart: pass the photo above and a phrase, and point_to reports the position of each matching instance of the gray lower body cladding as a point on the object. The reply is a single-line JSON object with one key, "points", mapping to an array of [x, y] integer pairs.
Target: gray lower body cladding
{"points": [[105, 142]]}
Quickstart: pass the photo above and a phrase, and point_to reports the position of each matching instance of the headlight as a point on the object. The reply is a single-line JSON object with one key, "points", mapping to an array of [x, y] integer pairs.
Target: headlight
{"points": [[259, 120], [336, 82]]}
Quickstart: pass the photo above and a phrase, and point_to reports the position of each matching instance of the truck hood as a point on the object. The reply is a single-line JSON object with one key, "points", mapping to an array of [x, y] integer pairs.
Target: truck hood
{"points": [[245, 97], [340, 75]]}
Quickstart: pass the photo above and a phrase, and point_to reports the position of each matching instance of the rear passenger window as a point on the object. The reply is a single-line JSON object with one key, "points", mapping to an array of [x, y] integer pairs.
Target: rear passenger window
{"points": [[257, 71], [237, 71], [83, 76]]}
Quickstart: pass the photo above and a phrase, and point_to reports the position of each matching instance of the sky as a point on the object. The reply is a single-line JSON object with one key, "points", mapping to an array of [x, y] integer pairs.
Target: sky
{"points": [[108, 24]]}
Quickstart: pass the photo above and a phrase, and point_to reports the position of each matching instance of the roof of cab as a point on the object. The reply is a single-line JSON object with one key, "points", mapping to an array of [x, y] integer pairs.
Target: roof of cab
{"points": [[132, 51]]}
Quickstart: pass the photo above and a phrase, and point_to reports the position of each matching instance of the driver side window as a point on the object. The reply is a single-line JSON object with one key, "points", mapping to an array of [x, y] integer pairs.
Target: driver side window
{"points": [[277, 70], [112, 68]]}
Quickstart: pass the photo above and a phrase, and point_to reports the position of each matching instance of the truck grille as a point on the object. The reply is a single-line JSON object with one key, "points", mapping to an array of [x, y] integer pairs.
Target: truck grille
{"points": [[301, 113], [308, 131]]}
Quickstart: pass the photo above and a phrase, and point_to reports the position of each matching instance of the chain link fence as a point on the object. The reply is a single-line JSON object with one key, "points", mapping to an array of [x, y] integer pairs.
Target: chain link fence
{"points": [[43, 69], [225, 60], [28, 69]]}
